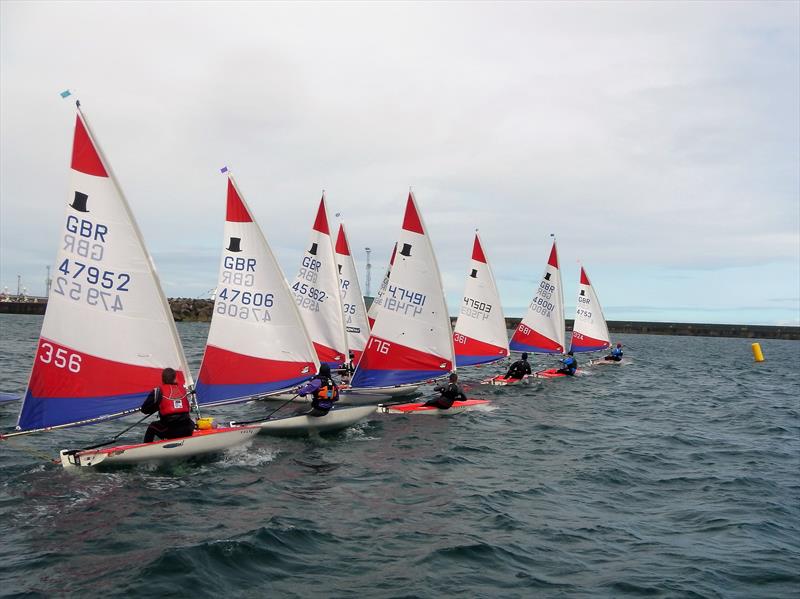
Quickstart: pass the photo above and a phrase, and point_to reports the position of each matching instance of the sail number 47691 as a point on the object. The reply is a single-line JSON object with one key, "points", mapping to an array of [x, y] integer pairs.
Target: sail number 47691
{"points": [[60, 358]]}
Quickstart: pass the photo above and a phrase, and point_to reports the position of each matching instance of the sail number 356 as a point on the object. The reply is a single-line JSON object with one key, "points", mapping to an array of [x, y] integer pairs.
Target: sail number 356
{"points": [[60, 358]]}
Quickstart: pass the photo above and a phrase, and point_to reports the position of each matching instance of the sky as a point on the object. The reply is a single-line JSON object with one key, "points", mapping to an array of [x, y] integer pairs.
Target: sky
{"points": [[659, 141]]}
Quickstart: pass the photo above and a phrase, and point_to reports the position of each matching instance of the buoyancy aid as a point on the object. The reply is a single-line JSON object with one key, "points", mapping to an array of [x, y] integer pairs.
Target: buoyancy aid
{"points": [[327, 394], [174, 400]]}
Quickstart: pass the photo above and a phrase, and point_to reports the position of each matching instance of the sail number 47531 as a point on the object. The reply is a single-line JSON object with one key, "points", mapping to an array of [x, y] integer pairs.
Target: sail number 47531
{"points": [[60, 358]]}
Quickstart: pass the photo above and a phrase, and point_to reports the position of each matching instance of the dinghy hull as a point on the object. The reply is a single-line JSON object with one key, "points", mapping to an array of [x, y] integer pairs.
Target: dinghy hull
{"points": [[200, 443], [552, 373], [501, 381], [420, 408], [336, 419]]}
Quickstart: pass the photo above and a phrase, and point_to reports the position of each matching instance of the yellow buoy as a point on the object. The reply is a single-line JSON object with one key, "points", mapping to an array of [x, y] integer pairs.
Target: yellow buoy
{"points": [[758, 356]]}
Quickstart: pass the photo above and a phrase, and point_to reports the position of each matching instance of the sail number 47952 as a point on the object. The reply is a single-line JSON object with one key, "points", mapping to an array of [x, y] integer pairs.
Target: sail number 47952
{"points": [[60, 358]]}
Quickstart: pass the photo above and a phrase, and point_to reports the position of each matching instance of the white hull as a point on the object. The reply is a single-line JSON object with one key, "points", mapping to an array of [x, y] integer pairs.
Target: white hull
{"points": [[202, 442], [501, 382], [359, 396], [337, 419], [602, 362]]}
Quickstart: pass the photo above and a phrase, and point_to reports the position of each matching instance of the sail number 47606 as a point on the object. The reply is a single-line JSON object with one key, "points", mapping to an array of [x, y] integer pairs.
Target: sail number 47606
{"points": [[60, 358]]}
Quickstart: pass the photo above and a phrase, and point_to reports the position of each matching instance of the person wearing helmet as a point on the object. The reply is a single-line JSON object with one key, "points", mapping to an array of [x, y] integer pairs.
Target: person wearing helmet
{"points": [[519, 368], [323, 390], [570, 365], [449, 393], [616, 353], [171, 400]]}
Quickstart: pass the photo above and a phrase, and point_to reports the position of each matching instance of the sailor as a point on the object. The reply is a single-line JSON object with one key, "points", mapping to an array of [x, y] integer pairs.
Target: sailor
{"points": [[324, 392], [348, 368], [450, 392], [171, 400], [519, 368], [616, 353], [570, 365]]}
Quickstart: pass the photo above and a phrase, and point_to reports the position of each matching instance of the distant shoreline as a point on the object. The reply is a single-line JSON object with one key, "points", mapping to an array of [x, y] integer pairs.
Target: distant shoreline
{"points": [[200, 310]]}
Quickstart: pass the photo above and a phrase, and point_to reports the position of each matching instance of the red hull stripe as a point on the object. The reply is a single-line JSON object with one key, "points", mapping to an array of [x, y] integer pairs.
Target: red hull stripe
{"points": [[522, 342], [96, 377], [321, 222], [236, 211], [224, 367], [341, 242], [553, 260], [84, 155], [477, 251], [411, 221]]}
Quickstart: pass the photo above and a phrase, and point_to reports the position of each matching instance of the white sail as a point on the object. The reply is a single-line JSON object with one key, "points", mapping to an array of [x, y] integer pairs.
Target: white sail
{"points": [[412, 340], [480, 335], [316, 291], [257, 343], [590, 332], [355, 313], [377, 302], [542, 328], [108, 331]]}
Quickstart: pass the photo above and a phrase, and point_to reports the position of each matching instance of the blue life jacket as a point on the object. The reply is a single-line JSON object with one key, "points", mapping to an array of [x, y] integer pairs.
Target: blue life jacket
{"points": [[570, 363], [616, 352]]}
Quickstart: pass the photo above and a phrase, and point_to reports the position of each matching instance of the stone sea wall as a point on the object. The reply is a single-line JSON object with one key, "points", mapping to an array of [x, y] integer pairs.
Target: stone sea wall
{"points": [[200, 310]]}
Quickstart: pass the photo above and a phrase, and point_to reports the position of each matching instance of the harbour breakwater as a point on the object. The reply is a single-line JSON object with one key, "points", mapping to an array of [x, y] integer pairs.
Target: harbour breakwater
{"points": [[200, 310]]}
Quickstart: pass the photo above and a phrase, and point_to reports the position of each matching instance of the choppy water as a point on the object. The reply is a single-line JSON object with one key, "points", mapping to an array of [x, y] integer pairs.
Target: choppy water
{"points": [[675, 476]]}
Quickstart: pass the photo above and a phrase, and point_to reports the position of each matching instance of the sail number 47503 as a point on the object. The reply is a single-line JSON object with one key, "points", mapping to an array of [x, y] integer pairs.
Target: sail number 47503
{"points": [[60, 358]]}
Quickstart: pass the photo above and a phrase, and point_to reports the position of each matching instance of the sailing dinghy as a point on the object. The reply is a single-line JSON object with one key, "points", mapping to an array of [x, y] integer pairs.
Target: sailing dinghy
{"points": [[411, 341], [480, 335], [590, 331], [355, 313], [541, 331], [258, 346], [108, 331], [316, 291]]}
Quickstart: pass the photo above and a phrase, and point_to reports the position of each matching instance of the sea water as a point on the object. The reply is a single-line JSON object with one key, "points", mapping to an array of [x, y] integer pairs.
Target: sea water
{"points": [[675, 475]]}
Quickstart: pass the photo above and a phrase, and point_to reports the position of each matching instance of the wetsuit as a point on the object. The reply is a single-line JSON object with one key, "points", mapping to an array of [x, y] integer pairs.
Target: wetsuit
{"points": [[172, 404], [324, 394], [616, 354], [518, 369], [449, 393], [570, 366]]}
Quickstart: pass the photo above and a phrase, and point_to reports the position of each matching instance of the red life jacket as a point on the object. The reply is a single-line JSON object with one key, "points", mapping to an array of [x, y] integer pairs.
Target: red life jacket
{"points": [[174, 400]]}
